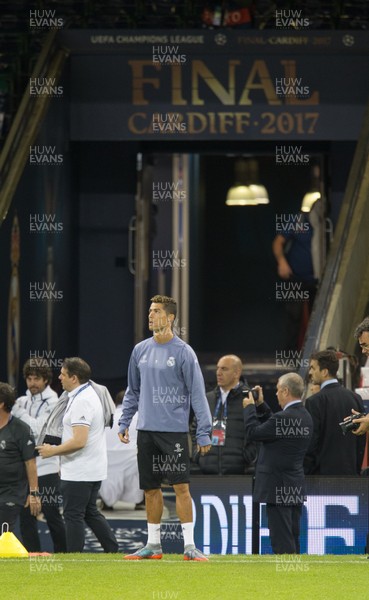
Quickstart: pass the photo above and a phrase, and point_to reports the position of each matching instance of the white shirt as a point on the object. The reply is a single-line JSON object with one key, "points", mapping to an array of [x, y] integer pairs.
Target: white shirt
{"points": [[224, 395], [35, 410], [88, 463], [291, 404]]}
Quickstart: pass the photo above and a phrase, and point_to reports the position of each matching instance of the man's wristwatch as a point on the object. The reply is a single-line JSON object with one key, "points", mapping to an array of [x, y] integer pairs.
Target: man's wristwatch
{"points": [[35, 493]]}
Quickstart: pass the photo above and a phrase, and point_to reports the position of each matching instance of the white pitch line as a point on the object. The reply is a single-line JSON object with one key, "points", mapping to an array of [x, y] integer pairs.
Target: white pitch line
{"points": [[212, 560]]}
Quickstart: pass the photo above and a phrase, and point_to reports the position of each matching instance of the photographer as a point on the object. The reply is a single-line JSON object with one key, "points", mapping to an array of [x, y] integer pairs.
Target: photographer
{"points": [[279, 478], [230, 453]]}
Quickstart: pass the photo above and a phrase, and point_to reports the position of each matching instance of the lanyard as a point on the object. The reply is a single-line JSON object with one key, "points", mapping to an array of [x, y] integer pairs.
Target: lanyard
{"points": [[217, 408], [41, 405], [75, 396], [39, 408]]}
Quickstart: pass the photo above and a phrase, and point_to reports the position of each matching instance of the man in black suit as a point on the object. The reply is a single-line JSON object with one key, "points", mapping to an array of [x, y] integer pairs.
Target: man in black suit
{"points": [[331, 453], [279, 478]]}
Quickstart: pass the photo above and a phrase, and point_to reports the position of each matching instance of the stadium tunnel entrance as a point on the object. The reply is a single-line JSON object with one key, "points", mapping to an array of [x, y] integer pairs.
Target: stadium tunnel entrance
{"points": [[217, 260]]}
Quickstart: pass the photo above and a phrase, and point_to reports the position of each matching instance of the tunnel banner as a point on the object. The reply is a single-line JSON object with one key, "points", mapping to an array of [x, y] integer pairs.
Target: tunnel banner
{"points": [[204, 85]]}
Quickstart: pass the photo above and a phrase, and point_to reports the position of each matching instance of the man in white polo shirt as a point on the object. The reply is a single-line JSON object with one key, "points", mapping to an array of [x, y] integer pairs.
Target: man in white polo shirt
{"points": [[83, 458]]}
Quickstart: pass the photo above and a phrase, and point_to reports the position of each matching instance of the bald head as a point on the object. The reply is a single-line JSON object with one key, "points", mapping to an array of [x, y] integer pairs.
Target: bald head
{"points": [[229, 369]]}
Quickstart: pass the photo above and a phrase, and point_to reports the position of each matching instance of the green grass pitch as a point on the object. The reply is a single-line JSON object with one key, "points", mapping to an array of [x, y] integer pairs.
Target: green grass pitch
{"points": [[109, 577]]}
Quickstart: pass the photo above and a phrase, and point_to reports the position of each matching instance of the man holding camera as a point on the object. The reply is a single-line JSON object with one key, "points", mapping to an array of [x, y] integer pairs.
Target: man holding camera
{"points": [[230, 453], [331, 453], [279, 478]]}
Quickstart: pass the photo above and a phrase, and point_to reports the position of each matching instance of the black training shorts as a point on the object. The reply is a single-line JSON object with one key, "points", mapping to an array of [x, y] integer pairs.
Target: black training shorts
{"points": [[162, 455]]}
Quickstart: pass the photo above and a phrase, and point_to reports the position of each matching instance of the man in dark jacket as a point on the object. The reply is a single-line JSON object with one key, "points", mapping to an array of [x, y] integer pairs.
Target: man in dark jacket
{"points": [[330, 452], [229, 454], [279, 478]]}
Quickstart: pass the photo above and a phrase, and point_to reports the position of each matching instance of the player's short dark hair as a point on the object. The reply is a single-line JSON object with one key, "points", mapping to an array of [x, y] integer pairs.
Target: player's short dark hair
{"points": [[7, 395], [39, 368], [78, 367], [169, 304], [361, 328], [327, 359]]}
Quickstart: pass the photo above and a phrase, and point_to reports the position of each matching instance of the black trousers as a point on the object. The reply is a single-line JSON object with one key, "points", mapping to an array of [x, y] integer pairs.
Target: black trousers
{"points": [[284, 528], [79, 501], [8, 514], [49, 486]]}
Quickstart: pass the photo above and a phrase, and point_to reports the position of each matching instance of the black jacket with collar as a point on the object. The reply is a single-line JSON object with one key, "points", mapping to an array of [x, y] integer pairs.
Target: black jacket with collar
{"points": [[284, 438], [330, 452], [237, 456]]}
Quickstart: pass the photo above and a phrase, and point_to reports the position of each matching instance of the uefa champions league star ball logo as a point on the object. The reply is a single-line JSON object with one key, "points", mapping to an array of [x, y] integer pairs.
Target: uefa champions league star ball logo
{"points": [[220, 39], [178, 449], [171, 361]]}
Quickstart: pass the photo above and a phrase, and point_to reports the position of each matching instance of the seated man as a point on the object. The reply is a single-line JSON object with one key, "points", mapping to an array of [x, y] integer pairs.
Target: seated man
{"points": [[230, 453]]}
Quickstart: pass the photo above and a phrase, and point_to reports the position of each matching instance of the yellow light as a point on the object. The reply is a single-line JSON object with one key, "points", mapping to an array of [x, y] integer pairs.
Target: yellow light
{"points": [[308, 200], [247, 195], [240, 195]]}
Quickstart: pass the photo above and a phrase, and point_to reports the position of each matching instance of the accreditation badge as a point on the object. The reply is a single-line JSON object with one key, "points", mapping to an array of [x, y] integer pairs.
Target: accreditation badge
{"points": [[219, 432]]}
